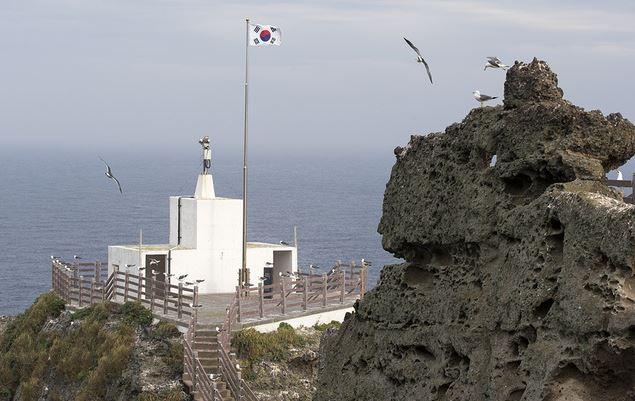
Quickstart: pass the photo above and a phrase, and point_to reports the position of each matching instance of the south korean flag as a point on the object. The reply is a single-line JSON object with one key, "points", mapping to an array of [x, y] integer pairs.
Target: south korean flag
{"points": [[264, 35]]}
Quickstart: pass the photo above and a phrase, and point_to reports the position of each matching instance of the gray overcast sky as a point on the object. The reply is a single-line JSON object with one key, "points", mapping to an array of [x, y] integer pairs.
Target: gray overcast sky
{"points": [[122, 72]]}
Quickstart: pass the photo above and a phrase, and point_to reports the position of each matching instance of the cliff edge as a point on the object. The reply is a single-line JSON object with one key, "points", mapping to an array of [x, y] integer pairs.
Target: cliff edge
{"points": [[519, 277]]}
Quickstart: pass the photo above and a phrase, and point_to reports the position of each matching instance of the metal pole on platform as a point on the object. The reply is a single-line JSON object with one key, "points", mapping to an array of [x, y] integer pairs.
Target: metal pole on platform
{"points": [[140, 245], [242, 277]]}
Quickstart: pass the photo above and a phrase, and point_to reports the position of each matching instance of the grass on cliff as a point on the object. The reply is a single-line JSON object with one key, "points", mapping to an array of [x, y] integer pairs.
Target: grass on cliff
{"points": [[89, 356], [253, 346]]}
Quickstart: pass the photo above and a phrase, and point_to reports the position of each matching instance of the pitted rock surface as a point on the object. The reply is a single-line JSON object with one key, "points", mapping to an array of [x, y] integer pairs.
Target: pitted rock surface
{"points": [[519, 277]]}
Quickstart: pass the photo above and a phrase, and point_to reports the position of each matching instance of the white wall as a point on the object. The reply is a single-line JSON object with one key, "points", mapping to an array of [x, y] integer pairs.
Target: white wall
{"points": [[307, 321]]}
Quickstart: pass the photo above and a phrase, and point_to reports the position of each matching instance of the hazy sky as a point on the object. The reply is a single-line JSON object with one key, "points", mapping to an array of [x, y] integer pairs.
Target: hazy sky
{"points": [[124, 72]]}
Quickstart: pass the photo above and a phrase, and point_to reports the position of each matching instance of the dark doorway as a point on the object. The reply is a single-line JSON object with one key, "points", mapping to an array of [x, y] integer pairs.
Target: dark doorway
{"points": [[268, 275], [155, 275]]}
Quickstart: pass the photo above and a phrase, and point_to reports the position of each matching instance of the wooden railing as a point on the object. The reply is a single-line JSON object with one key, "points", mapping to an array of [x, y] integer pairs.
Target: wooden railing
{"points": [[85, 284], [624, 184], [301, 292], [202, 382]]}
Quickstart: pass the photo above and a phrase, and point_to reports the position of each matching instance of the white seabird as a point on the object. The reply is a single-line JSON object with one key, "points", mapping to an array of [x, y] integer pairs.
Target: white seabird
{"points": [[112, 177], [482, 98], [494, 62], [619, 175], [420, 58]]}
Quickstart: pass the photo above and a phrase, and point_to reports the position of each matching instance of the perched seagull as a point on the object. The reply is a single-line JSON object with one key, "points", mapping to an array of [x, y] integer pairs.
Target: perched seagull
{"points": [[494, 62], [128, 266], [366, 262], [182, 277], [200, 280], [112, 177], [420, 58], [188, 283], [269, 263], [619, 175], [141, 268], [195, 305], [284, 243], [154, 262], [262, 278], [482, 98], [55, 257], [76, 257]]}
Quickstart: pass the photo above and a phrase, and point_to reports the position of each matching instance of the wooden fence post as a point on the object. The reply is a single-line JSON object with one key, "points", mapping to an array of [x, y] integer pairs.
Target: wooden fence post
{"points": [[283, 291], [305, 293], [342, 285], [324, 284], [80, 291], [139, 286], [97, 271], [194, 370], [362, 284], [125, 288], [261, 300], [196, 305], [166, 294], [151, 293], [179, 301], [238, 318]]}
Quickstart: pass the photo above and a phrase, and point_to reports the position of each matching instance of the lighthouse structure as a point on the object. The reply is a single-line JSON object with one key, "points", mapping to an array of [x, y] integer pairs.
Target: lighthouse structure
{"points": [[205, 243]]}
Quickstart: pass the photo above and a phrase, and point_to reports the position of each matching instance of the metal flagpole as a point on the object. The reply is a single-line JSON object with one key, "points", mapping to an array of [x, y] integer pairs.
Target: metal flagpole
{"points": [[242, 277]]}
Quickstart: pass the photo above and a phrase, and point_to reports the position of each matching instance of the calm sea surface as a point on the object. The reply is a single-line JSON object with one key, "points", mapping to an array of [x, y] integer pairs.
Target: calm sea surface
{"points": [[56, 203]]}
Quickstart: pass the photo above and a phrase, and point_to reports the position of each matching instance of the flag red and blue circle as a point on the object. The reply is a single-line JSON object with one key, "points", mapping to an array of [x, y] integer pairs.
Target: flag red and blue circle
{"points": [[265, 35]]}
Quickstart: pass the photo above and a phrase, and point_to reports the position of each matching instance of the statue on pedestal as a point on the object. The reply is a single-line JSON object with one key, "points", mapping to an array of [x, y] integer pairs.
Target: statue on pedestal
{"points": [[207, 154]]}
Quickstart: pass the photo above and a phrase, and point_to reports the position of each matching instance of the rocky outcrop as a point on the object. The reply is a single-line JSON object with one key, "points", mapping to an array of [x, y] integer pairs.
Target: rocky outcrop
{"points": [[519, 277]]}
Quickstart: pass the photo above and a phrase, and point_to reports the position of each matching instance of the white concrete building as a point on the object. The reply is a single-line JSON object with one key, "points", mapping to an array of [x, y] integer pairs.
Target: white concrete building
{"points": [[205, 242]]}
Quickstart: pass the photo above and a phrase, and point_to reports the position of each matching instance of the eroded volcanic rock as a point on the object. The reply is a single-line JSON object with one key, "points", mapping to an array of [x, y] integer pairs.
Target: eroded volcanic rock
{"points": [[519, 278]]}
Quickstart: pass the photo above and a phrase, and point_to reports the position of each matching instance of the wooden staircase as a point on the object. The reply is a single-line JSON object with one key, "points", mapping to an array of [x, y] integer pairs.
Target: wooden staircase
{"points": [[205, 345]]}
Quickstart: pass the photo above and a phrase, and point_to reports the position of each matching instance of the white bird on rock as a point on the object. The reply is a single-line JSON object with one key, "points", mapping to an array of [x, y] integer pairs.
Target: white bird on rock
{"points": [[482, 98]]}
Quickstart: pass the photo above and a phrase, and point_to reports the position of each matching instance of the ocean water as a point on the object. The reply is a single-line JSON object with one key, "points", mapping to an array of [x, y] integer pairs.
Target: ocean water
{"points": [[60, 203]]}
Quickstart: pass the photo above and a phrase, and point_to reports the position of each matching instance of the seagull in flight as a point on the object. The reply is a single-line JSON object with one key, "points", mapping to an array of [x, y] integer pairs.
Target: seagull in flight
{"points": [[494, 62], [109, 175], [482, 98], [420, 58]]}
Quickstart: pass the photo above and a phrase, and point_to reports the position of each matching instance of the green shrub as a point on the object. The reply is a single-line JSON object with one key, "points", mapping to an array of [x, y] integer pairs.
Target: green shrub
{"points": [[135, 314], [172, 395], [323, 326], [253, 346], [23, 351], [27, 355], [164, 331], [174, 358]]}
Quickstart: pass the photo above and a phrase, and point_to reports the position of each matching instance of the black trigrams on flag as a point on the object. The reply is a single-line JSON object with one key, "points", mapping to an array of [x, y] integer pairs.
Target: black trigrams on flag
{"points": [[256, 41], [257, 28], [272, 39], [273, 29]]}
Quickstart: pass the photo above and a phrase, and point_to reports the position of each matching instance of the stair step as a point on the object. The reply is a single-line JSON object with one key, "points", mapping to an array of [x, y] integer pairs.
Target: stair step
{"points": [[205, 346], [208, 354], [207, 333]]}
